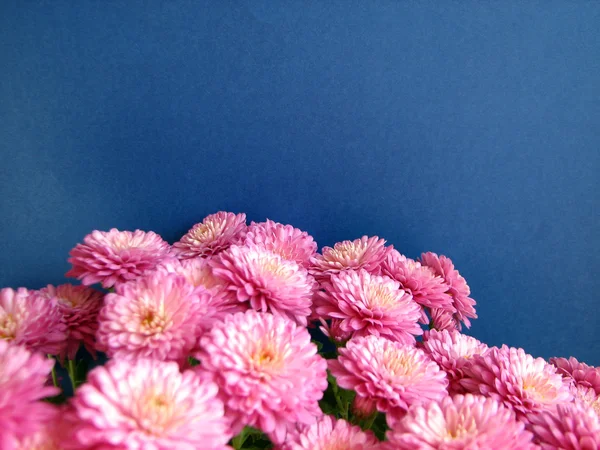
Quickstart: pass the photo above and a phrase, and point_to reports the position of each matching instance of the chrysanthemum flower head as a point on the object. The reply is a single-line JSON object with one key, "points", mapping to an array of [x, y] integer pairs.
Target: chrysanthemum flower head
{"points": [[79, 306], [393, 375], [23, 378], [587, 397], [516, 378], [365, 253], [268, 371], [47, 437], [457, 423], [458, 288], [156, 316], [116, 256], [569, 427], [266, 281], [427, 288], [33, 320], [327, 433], [452, 350], [444, 320], [333, 330], [213, 235], [198, 272], [369, 304], [285, 240], [146, 404], [580, 373]]}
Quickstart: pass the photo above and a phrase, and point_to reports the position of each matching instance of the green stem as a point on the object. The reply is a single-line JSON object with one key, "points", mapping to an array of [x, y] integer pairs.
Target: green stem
{"points": [[239, 440], [370, 421], [72, 373], [54, 379]]}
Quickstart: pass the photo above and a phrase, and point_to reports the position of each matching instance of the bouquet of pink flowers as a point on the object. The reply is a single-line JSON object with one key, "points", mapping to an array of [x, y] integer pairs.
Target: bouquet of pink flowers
{"points": [[243, 336]]}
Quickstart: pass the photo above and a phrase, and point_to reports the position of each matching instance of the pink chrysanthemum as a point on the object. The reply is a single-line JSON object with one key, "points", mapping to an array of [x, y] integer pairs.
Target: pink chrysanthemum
{"points": [[443, 320], [116, 256], [156, 316], [198, 272], [285, 240], [579, 372], [570, 427], [587, 397], [393, 375], [365, 253], [79, 306], [213, 235], [266, 281], [452, 350], [269, 373], [427, 288], [516, 378], [330, 434], [369, 304], [146, 404], [333, 330], [23, 378], [457, 423], [47, 437], [30, 319], [459, 290]]}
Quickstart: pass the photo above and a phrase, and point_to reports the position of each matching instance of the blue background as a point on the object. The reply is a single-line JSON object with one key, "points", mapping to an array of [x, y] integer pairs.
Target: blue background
{"points": [[470, 129]]}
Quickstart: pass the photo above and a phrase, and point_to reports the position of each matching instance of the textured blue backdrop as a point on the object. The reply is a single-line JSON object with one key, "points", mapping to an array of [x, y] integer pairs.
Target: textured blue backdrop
{"points": [[470, 129]]}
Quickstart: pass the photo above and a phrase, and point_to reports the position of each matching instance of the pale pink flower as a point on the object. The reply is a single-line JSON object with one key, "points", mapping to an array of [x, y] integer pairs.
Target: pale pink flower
{"points": [[369, 304], [586, 397], [269, 373], [213, 235], [363, 407], [428, 289], [459, 290], [452, 350], [146, 404], [365, 253], [79, 306], [156, 316], [329, 433], [23, 378], [47, 437], [393, 375], [116, 256], [30, 319], [334, 331], [569, 427], [516, 378], [266, 281], [285, 240], [458, 423], [443, 320], [579, 372], [198, 272]]}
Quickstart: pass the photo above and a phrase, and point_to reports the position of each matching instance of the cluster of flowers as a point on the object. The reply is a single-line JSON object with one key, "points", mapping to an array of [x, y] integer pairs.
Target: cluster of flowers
{"points": [[209, 348]]}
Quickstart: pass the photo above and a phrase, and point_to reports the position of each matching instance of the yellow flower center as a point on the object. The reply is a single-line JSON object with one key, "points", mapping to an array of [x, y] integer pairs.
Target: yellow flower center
{"points": [[346, 251], [272, 265], [380, 296], [156, 412], [536, 387], [8, 327], [459, 431], [266, 358], [152, 322], [208, 231], [397, 363]]}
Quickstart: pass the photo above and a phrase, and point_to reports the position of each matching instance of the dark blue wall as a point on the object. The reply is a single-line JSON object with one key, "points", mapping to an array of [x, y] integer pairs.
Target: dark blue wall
{"points": [[470, 129]]}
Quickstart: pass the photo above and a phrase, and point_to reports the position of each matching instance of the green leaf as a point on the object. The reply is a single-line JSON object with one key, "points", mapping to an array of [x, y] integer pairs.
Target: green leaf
{"points": [[193, 361], [319, 346]]}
